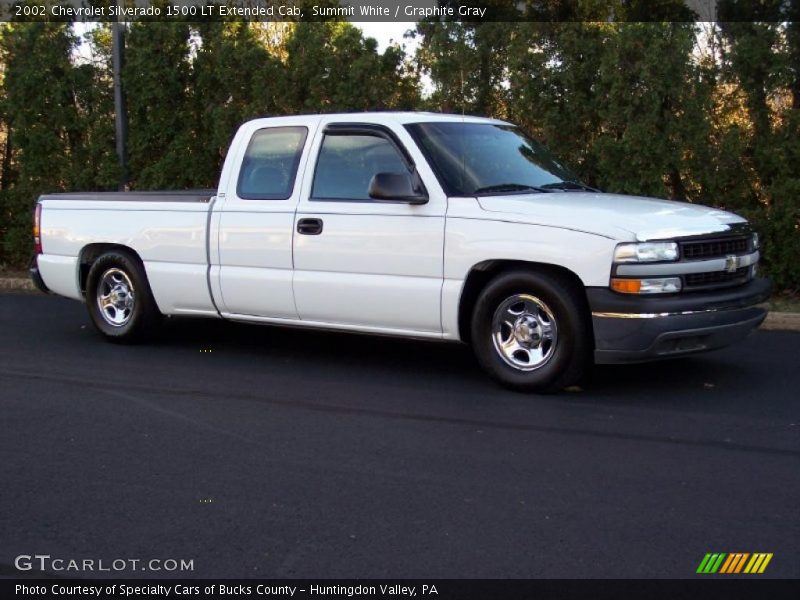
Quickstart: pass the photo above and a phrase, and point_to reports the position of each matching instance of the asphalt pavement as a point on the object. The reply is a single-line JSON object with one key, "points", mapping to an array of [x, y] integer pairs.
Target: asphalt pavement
{"points": [[265, 452]]}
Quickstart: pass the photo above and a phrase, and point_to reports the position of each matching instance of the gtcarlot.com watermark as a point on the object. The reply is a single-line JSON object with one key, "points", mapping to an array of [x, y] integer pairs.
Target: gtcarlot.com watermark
{"points": [[48, 563]]}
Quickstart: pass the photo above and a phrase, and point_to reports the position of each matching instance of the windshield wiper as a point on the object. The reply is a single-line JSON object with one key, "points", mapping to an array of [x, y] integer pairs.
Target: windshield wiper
{"points": [[569, 185], [508, 188]]}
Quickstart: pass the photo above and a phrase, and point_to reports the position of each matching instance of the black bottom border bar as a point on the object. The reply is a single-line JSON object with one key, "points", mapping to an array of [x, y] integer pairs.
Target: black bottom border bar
{"points": [[728, 587]]}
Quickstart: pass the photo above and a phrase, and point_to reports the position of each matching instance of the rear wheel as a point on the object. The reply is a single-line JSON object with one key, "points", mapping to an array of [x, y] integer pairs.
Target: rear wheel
{"points": [[118, 296], [530, 331]]}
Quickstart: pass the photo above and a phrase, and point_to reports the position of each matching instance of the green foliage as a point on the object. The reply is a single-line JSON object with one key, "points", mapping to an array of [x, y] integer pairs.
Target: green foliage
{"points": [[657, 109], [95, 166], [467, 61], [156, 78], [779, 228], [53, 112], [331, 67], [234, 79], [648, 120], [554, 73], [762, 59], [705, 113], [188, 87]]}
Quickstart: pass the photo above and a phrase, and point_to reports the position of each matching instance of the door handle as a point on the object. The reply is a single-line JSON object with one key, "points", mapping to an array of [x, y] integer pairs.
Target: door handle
{"points": [[309, 226]]}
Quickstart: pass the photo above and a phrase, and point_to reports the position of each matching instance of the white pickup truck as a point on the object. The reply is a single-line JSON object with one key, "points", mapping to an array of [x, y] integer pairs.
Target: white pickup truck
{"points": [[417, 225]]}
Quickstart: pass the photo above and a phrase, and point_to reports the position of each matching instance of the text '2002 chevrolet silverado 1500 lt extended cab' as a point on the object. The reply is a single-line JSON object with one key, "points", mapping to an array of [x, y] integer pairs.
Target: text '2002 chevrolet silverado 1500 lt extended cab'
{"points": [[417, 225]]}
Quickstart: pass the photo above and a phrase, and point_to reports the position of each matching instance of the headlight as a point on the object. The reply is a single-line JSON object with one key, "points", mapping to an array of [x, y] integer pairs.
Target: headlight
{"points": [[756, 244], [661, 285], [646, 252]]}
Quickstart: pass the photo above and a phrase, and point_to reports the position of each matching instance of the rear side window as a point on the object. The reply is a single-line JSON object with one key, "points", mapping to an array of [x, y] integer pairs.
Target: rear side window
{"points": [[347, 163], [270, 163]]}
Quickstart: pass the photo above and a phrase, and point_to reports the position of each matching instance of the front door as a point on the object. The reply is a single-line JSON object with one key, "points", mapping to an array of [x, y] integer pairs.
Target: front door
{"points": [[359, 262]]}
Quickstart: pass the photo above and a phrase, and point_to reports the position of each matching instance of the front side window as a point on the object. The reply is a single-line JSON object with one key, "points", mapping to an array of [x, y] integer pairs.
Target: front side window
{"points": [[473, 159], [347, 163], [270, 163]]}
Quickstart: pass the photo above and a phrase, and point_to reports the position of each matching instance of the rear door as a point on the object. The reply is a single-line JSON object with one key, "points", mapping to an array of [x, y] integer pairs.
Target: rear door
{"points": [[255, 222], [361, 263]]}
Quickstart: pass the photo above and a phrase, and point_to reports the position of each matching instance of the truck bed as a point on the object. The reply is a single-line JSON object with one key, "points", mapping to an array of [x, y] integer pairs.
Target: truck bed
{"points": [[167, 230], [203, 196]]}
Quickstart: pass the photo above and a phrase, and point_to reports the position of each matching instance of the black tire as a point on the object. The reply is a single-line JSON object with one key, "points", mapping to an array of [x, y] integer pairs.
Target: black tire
{"points": [[136, 313], [543, 361]]}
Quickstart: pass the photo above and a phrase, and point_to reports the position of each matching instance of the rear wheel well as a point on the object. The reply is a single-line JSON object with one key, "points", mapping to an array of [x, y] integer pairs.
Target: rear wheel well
{"points": [[92, 252], [482, 273]]}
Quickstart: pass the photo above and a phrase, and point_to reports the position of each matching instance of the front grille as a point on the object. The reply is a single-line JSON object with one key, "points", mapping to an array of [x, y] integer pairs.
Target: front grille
{"points": [[717, 278], [715, 248]]}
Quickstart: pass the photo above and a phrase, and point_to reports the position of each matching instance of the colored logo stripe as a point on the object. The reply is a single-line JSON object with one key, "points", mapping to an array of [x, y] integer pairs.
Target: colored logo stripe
{"points": [[758, 563], [734, 563], [710, 563], [720, 562]]}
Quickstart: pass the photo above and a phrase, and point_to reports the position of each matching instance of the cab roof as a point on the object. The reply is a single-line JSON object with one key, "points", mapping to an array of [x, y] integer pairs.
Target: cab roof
{"points": [[384, 117]]}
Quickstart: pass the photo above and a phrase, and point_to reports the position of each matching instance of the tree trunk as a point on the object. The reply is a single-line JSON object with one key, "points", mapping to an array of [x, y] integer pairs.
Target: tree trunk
{"points": [[5, 169]]}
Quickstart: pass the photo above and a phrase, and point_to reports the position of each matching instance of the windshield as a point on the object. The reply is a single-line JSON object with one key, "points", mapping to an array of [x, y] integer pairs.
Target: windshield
{"points": [[473, 159]]}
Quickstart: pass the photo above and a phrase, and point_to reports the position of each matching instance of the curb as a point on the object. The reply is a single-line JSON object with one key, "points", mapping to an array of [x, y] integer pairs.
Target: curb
{"points": [[17, 284], [782, 321], [775, 321]]}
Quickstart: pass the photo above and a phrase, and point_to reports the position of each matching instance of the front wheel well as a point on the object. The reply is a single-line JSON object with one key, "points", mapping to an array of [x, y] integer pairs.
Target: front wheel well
{"points": [[482, 273], [92, 252]]}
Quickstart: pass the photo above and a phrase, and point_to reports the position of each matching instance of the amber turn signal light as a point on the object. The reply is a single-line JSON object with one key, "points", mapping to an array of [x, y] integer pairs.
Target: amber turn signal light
{"points": [[662, 285], [626, 286]]}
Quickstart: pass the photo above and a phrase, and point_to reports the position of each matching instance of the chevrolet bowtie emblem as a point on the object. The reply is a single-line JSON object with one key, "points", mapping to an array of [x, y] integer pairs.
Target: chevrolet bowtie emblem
{"points": [[731, 263]]}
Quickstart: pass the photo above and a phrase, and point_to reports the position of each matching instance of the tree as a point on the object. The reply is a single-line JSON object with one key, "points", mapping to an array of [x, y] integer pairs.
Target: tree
{"points": [[44, 128], [331, 67], [156, 77], [467, 64], [96, 166], [554, 78], [761, 63], [652, 110], [234, 79]]}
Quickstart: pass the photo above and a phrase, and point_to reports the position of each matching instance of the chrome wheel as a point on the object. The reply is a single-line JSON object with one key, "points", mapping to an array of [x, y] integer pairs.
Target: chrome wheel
{"points": [[115, 297], [524, 332]]}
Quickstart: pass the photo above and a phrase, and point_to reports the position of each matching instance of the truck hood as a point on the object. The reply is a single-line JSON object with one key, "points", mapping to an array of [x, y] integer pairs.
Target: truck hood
{"points": [[611, 215]]}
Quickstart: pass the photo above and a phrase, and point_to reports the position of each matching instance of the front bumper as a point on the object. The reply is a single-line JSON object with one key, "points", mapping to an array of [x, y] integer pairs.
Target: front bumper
{"points": [[636, 329], [36, 277]]}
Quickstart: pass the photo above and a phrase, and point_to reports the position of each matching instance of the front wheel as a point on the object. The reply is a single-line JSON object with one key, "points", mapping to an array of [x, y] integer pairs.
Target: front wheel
{"points": [[530, 331], [120, 303]]}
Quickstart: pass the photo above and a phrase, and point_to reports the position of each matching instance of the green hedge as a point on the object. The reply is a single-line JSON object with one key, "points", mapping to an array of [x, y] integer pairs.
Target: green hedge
{"points": [[676, 110]]}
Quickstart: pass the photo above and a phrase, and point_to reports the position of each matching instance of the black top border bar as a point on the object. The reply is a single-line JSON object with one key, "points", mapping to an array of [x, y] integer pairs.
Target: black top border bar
{"points": [[543, 11]]}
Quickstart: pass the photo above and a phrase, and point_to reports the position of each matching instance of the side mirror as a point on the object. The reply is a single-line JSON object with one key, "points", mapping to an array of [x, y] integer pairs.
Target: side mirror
{"points": [[396, 187]]}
